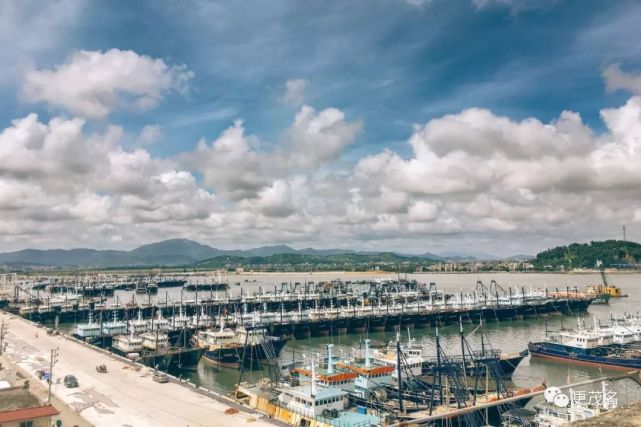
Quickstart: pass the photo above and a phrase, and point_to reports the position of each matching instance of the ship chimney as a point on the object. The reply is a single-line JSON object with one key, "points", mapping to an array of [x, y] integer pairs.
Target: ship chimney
{"points": [[330, 364], [313, 377], [367, 361]]}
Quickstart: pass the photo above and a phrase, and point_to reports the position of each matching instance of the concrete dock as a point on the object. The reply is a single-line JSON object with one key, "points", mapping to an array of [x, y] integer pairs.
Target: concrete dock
{"points": [[626, 416], [125, 396]]}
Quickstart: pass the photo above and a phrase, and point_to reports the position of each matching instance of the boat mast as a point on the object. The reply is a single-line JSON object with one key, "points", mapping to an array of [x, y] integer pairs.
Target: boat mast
{"points": [[398, 371]]}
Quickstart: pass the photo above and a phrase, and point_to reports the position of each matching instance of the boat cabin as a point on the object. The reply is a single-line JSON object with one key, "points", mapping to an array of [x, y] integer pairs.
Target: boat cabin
{"points": [[583, 341], [87, 330], [623, 335], [128, 343], [311, 401], [154, 341], [216, 339]]}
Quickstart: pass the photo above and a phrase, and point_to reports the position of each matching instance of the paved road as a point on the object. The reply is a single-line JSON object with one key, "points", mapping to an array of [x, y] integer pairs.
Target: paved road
{"points": [[68, 415], [122, 397]]}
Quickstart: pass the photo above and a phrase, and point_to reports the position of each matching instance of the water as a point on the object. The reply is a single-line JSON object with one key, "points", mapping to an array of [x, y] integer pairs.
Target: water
{"points": [[510, 336]]}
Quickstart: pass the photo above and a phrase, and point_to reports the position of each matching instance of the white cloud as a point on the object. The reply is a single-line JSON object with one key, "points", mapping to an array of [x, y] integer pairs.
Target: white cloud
{"points": [[237, 166], [316, 138], [55, 178], [616, 79], [294, 92], [419, 3], [92, 84], [423, 212], [150, 134], [468, 176]]}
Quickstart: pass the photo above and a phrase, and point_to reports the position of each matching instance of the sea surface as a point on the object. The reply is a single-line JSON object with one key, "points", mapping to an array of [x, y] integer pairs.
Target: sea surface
{"points": [[509, 336]]}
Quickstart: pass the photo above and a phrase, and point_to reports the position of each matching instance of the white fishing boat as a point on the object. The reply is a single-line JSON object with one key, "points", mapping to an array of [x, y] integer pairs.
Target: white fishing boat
{"points": [[87, 330], [180, 321], [138, 325], [159, 323], [202, 319], [115, 327], [155, 341], [127, 344]]}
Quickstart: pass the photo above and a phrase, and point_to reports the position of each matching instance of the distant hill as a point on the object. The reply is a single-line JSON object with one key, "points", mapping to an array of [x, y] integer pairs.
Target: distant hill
{"points": [[173, 252], [179, 252], [301, 261], [585, 255], [520, 257]]}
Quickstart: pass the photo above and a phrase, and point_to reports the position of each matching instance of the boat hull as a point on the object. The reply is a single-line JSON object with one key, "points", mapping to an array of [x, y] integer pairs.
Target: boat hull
{"points": [[545, 351], [233, 357]]}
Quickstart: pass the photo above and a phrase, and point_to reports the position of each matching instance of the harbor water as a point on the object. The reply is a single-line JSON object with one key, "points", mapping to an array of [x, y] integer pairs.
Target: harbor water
{"points": [[509, 336]]}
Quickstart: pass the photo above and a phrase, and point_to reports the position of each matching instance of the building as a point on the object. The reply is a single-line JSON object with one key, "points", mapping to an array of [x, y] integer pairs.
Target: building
{"points": [[20, 408]]}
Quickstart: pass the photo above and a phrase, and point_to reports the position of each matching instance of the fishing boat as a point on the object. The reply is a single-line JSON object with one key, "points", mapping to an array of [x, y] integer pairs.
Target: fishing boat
{"points": [[308, 404], [231, 348], [220, 346], [87, 330], [201, 320], [115, 327], [125, 345], [587, 347], [138, 325]]}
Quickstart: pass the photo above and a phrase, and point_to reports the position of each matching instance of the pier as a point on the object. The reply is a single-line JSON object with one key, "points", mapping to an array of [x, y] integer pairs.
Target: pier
{"points": [[126, 393], [311, 311]]}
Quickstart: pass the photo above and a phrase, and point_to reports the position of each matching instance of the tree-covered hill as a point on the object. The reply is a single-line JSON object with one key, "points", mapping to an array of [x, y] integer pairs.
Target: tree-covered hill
{"points": [[586, 255], [303, 262]]}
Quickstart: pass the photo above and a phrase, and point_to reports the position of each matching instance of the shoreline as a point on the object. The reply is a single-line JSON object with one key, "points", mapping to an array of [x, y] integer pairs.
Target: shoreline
{"points": [[125, 392]]}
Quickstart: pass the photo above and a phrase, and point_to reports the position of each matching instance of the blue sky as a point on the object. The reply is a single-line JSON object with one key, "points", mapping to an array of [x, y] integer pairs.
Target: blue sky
{"points": [[385, 65], [387, 62]]}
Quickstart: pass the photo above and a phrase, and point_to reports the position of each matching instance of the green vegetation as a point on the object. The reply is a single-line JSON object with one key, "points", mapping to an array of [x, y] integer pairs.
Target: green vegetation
{"points": [[303, 262], [586, 255]]}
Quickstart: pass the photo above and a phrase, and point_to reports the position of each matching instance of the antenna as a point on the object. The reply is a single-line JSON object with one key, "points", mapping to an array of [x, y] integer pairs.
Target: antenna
{"points": [[623, 228]]}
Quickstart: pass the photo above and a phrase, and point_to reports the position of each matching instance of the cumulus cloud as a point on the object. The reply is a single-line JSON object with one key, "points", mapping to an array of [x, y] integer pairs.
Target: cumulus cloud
{"points": [[471, 175], [240, 167], [316, 138], [56, 177], [294, 92], [92, 84], [616, 79], [150, 134], [487, 173]]}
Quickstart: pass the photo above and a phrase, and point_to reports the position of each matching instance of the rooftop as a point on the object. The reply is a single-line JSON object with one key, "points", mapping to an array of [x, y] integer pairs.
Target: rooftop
{"points": [[28, 414], [321, 392], [353, 419], [18, 404], [17, 398]]}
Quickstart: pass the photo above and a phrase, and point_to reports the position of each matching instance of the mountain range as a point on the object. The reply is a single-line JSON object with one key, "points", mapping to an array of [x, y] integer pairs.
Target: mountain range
{"points": [[177, 252]]}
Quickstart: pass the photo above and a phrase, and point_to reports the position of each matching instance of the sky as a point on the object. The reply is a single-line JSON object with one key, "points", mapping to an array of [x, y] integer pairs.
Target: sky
{"points": [[495, 126]]}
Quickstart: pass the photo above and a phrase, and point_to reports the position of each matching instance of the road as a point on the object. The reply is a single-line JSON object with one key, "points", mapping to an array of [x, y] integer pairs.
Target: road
{"points": [[123, 396]]}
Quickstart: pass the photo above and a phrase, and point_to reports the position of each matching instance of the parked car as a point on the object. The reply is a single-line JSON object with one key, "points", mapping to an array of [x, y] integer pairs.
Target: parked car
{"points": [[71, 381], [160, 377]]}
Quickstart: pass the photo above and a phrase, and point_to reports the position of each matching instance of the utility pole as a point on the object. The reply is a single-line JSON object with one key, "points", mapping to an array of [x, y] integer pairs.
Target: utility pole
{"points": [[4, 328], [52, 362], [623, 227]]}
